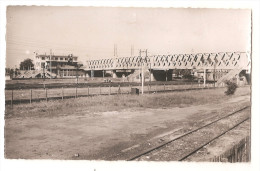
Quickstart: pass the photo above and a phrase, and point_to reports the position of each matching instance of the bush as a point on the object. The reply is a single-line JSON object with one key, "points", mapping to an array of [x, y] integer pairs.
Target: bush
{"points": [[231, 87]]}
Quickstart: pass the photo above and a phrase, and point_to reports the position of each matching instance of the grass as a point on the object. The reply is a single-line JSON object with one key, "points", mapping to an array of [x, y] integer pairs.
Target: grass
{"points": [[71, 83], [95, 104]]}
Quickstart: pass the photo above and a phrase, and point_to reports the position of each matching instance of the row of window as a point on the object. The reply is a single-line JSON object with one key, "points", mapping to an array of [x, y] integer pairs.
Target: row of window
{"points": [[56, 58]]}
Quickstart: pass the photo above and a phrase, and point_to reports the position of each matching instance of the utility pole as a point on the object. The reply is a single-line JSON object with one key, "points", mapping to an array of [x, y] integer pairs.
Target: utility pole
{"points": [[142, 77], [115, 50], [142, 62], [204, 68], [50, 61], [214, 76], [215, 63], [77, 73], [150, 71], [44, 72], [204, 76], [132, 50]]}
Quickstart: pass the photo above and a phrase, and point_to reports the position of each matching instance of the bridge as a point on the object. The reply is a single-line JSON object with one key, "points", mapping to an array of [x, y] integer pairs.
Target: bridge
{"points": [[155, 64]]}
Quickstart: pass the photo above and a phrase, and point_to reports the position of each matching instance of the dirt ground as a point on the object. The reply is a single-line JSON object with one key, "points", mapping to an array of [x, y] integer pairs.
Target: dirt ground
{"points": [[97, 135]]}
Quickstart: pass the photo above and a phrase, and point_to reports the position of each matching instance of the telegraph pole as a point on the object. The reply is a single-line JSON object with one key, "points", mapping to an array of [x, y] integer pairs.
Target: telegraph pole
{"points": [[142, 62], [204, 68], [214, 76], [142, 76], [50, 61], [204, 75], [77, 73], [115, 50], [132, 50]]}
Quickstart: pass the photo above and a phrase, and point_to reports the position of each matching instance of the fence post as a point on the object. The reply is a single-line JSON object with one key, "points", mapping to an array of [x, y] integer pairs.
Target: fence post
{"points": [[12, 98], [62, 93], [119, 91], [46, 95], [30, 96], [76, 92]]}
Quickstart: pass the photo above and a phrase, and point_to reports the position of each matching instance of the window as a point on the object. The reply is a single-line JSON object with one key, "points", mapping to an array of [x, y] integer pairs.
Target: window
{"points": [[66, 59], [56, 58], [61, 59], [43, 58]]}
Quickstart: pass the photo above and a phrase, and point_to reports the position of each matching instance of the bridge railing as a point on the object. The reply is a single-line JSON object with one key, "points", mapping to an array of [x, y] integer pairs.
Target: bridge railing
{"points": [[221, 60]]}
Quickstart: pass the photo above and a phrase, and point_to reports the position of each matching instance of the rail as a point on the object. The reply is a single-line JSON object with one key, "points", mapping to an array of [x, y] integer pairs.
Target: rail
{"points": [[190, 132]]}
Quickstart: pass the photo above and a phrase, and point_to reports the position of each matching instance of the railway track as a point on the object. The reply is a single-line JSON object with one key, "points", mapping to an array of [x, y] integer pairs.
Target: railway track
{"points": [[185, 145]]}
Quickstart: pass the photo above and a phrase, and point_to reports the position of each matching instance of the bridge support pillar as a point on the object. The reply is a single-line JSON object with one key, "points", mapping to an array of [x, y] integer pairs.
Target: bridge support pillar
{"points": [[114, 74], [151, 75], [92, 73], [87, 74]]}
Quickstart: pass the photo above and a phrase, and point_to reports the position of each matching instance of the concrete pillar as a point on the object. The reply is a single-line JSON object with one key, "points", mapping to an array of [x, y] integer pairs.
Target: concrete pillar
{"points": [[92, 73], [87, 74], [166, 75], [114, 74], [152, 76]]}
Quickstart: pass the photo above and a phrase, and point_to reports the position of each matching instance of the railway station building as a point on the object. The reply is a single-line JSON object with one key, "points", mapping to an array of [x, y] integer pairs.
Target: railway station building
{"points": [[59, 65]]}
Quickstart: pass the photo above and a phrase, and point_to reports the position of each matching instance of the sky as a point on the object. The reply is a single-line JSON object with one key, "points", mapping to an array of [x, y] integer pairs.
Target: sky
{"points": [[92, 32]]}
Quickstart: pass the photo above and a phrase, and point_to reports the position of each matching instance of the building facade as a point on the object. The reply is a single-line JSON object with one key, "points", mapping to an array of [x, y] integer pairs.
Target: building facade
{"points": [[60, 65]]}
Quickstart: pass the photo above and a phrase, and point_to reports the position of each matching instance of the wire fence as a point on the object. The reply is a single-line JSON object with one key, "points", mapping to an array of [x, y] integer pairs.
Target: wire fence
{"points": [[31, 95]]}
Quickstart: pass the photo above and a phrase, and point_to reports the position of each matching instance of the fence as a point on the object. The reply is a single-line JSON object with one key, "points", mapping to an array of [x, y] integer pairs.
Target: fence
{"points": [[30, 95], [240, 152]]}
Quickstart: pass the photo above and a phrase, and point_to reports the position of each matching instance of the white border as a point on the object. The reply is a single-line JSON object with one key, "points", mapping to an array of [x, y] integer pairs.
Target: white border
{"points": [[87, 165]]}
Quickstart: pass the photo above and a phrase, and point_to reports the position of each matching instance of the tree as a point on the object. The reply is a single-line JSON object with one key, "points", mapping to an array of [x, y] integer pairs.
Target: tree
{"points": [[27, 64], [231, 87], [9, 71]]}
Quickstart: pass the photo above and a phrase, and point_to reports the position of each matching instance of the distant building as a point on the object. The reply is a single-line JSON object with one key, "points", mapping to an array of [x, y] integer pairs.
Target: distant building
{"points": [[62, 66]]}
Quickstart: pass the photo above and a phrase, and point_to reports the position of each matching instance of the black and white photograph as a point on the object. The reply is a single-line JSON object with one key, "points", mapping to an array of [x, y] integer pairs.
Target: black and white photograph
{"points": [[132, 84]]}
